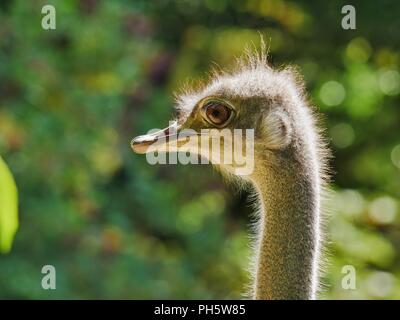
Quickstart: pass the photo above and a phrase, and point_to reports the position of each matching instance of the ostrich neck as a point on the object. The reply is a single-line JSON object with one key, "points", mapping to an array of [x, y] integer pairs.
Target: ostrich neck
{"points": [[289, 231]]}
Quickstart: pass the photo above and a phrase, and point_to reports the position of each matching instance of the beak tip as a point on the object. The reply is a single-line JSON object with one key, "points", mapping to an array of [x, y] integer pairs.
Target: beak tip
{"points": [[133, 142], [135, 145], [140, 144]]}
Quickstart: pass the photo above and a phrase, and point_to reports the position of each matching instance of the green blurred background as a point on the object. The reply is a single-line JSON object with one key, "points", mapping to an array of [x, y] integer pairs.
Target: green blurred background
{"points": [[116, 227]]}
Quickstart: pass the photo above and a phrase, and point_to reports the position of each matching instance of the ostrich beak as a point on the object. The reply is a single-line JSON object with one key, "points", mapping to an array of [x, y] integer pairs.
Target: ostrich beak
{"points": [[168, 139]]}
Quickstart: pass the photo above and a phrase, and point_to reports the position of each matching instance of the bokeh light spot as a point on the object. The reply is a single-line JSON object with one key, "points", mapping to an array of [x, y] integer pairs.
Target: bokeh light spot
{"points": [[358, 50], [349, 202], [332, 93], [383, 210], [380, 284], [395, 156], [389, 82], [342, 135]]}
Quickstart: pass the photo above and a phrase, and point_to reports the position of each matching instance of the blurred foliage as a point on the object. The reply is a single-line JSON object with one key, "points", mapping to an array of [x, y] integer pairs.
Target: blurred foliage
{"points": [[114, 226], [8, 208]]}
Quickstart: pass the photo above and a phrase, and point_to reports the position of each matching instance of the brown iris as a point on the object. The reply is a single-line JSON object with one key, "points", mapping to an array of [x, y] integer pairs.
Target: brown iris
{"points": [[217, 113]]}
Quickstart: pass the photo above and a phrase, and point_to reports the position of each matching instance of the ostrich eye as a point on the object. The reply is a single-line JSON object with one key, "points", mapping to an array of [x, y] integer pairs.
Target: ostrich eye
{"points": [[217, 113]]}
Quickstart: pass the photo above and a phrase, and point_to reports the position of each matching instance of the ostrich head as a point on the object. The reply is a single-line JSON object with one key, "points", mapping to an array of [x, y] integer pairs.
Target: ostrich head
{"points": [[253, 96], [289, 162]]}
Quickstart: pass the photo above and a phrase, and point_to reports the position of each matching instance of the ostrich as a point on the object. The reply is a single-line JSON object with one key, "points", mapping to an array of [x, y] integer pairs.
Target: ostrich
{"points": [[290, 171]]}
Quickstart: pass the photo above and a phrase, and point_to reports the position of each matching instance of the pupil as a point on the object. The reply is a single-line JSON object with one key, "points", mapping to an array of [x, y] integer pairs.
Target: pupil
{"points": [[216, 112]]}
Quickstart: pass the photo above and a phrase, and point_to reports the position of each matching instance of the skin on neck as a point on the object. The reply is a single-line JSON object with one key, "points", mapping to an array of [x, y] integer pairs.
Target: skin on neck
{"points": [[286, 262]]}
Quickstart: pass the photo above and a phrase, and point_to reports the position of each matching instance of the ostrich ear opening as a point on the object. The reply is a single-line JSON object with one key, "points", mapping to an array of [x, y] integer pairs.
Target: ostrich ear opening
{"points": [[276, 130]]}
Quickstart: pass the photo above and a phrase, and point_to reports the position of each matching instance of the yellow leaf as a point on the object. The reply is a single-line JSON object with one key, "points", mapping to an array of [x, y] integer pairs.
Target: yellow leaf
{"points": [[8, 208]]}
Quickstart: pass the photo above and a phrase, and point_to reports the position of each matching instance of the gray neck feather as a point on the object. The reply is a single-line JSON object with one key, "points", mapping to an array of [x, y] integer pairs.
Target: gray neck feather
{"points": [[288, 240]]}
